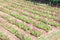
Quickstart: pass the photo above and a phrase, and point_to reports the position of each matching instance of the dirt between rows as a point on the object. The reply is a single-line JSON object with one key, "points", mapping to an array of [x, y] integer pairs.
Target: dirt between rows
{"points": [[24, 32], [13, 37], [14, 26]]}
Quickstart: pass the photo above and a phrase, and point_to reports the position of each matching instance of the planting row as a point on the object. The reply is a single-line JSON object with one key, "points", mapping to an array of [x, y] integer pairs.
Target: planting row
{"points": [[21, 25], [26, 19], [27, 6], [42, 14], [3, 36], [34, 16], [44, 6], [36, 12], [16, 32], [34, 7], [30, 7]]}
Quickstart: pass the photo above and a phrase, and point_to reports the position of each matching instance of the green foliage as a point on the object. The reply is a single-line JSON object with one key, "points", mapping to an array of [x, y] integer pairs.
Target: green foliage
{"points": [[55, 1], [37, 33], [3, 36], [37, 20], [27, 38], [43, 26], [21, 25], [16, 32]]}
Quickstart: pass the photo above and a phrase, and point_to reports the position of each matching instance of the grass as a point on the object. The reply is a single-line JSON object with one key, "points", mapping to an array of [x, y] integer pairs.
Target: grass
{"points": [[49, 37], [3, 36]]}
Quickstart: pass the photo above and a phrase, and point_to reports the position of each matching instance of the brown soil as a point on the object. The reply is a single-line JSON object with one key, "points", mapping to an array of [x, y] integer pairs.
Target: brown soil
{"points": [[26, 33]]}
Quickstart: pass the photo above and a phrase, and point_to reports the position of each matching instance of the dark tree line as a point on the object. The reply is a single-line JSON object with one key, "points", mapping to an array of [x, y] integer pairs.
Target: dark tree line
{"points": [[51, 2]]}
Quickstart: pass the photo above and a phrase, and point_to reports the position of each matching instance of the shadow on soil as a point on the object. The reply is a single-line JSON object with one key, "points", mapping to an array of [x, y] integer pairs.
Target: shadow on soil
{"points": [[45, 2]]}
